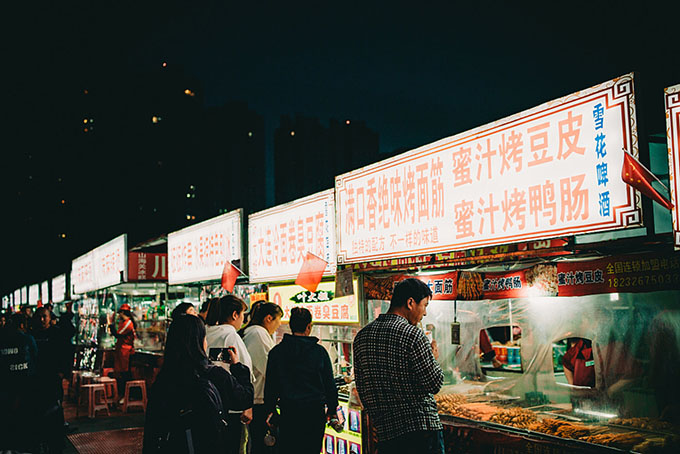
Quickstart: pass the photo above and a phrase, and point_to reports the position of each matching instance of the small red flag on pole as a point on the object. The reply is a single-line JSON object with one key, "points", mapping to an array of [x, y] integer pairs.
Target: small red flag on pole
{"points": [[639, 177], [229, 276], [311, 272]]}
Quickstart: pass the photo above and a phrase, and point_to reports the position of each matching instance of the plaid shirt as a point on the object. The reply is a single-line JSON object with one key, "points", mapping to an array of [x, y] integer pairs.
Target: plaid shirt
{"points": [[396, 376]]}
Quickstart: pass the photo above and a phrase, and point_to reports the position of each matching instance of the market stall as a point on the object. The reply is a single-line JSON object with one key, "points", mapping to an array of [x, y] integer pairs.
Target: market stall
{"points": [[279, 239], [555, 341]]}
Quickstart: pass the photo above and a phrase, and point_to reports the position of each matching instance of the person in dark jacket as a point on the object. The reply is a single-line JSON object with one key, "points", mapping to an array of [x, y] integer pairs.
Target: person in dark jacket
{"points": [[18, 364], [54, 363], [300, 380], [190, 398]]}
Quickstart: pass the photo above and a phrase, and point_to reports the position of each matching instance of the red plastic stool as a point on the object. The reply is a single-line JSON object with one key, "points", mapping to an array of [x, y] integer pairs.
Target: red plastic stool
{"points": [[93, 403], [141, 384], [111, 387]]}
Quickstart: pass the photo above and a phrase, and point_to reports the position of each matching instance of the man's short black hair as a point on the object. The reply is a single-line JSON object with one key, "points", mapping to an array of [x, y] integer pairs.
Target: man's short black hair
{"points": [[409, 288], [300, 318]]}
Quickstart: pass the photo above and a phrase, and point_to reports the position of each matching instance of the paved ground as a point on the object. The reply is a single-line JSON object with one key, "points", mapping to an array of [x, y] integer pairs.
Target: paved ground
{"points": [[109, 426]]}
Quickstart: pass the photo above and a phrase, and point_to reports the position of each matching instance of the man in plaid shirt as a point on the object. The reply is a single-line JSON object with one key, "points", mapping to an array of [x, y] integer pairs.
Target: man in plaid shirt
{"points": [[397, 374]]}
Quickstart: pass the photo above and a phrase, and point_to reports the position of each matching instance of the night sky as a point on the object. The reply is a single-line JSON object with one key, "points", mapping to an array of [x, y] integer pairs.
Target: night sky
{"points": [[414, 72]]}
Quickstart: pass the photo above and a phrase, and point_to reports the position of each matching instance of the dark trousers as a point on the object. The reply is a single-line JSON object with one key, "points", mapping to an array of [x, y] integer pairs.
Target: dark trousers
{"points": [[233, 432], [301, 429], [421, 441], [258, 429]]}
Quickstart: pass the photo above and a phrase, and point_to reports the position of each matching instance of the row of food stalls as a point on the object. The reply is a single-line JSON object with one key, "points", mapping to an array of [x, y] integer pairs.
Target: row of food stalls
{"points": [[535, 250]]}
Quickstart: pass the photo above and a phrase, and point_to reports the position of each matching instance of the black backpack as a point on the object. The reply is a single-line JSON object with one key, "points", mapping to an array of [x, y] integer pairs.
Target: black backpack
{"points": [[195, 423]]}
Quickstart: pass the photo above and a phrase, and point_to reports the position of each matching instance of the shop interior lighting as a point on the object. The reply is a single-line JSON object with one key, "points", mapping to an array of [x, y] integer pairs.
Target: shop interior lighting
{"points": [[599, 414], [613, 296]]}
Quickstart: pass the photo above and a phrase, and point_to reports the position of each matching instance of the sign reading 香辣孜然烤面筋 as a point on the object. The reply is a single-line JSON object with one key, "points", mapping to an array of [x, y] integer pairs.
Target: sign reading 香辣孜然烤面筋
{"points": [[553, 170]]}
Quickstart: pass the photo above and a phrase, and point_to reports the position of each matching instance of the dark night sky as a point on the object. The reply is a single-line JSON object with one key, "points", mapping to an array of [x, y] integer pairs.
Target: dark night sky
{"points": [[415, 72]]}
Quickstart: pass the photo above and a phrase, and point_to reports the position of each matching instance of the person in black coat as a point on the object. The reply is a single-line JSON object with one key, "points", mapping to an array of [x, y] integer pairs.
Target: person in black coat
{"points": [[300, 380], [189, 400]]}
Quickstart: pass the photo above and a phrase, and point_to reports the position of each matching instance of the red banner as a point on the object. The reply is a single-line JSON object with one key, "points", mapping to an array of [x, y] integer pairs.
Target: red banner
{"points": [[619, 274], [143, 266]]}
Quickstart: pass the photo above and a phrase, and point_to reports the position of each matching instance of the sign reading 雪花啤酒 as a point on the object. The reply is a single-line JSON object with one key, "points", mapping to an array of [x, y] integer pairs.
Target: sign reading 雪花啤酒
{"points": [[280, 237], [672, 101], [551, 171], [198, 253]]}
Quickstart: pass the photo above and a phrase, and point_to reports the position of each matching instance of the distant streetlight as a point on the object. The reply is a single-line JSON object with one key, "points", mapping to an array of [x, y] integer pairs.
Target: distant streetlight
{"points": [[189, 92]]}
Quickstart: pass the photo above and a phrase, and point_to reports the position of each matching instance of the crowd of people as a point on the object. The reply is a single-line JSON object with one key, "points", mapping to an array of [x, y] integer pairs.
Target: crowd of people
{"points": [[225, 385], [36, 353]]}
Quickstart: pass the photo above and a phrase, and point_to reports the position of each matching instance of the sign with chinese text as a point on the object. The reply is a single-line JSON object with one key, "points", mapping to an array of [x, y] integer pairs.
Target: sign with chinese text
{"points": [[551, 171], [110, 262], [280, 237], [143, 266], [45, 292], [101, 267], [59, 288], [33, 294], [325, 308], [619, 274], [17, 297], [672, 101], [198, 253]]}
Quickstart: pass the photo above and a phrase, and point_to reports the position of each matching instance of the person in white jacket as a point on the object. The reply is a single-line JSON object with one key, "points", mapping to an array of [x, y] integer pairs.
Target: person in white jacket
{"points": [[264, 321], [224, 318]]}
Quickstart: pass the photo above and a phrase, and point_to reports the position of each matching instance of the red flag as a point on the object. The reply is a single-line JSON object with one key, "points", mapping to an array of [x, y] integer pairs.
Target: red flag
{"points": [[639, 177], [229, 275], [311, 272]]}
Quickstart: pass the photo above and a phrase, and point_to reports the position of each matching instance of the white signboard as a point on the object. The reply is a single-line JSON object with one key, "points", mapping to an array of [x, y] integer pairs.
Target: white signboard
{"points": [[45, 292], [59, 288], [17, 297], [24, 295], [672, 98], [82, 274], [550, 171], [33, 294], [100, 268], [280, 237], [199, 253], [110, 262]]}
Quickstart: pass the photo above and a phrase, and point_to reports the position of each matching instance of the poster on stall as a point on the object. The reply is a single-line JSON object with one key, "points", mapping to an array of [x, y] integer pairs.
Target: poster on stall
{"points": [[280, 238], [59, 288], [45, 292], [323, 304], [551, 171], [33, 294], [619, 274], [672, 102]]}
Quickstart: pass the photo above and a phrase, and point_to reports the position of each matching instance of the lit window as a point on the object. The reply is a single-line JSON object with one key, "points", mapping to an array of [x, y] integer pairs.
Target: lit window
{"points": [[85, 129], [192, 187], [165, 64], [292, 133], [63, 201], [188, 196], [346, 122], [155, 119], [188, 216], [189, 92], [250, 134], [63, 235], [193, 217], [84, 120]]}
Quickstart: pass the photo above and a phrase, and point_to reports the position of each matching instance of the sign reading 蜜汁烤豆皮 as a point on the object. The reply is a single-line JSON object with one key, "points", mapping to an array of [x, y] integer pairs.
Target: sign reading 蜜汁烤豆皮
{"points": [[280, 237], [672, 101], [551, 171]]}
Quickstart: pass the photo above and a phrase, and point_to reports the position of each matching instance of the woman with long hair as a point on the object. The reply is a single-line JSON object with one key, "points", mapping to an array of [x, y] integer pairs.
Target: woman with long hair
{"points": [[225, 318], [265, 319], [125, 346], [190, 398]]}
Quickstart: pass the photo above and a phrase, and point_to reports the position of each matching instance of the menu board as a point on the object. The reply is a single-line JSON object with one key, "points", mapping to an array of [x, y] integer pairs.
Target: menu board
{"points": [[199, 253], [323, 305], [45, 292], [33, 294], [280, 237], [550, 171], [672, 101], [101, 267], [59, 288]]}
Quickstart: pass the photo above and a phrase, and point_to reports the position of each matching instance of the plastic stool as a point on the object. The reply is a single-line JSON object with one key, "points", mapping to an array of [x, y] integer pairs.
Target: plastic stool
{"points": [[74, 386], [93, 404], [111, 387], [107, 371], [141, 384]]}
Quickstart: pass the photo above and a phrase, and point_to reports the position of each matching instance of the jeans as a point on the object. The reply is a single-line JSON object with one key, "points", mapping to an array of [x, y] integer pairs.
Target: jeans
{"points": [[421, 442]]}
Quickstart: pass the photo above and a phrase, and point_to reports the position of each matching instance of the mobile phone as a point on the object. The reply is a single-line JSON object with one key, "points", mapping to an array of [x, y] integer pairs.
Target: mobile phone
{"points": [[219, 354]]}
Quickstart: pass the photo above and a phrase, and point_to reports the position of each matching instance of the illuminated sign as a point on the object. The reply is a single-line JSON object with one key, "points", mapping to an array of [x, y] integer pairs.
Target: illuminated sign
{"points": [[147, 266], [550, 171], [24, 295], [45, 292], [199, 253], [100, 268], [59, 288], [280, 237], [672, 98], [325, 308], [33, 294]]}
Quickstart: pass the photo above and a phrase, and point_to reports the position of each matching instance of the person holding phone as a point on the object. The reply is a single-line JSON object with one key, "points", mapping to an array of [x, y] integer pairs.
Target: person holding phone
{"points": [[224, 319]]}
